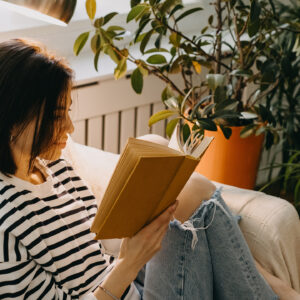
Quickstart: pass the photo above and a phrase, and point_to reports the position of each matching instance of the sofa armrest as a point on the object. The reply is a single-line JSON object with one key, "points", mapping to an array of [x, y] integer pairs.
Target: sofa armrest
{"points": [[271, 227]]}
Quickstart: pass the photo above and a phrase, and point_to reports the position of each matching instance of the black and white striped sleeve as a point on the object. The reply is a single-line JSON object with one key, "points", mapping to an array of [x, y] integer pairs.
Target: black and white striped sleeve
{"points": [[21, 277]]}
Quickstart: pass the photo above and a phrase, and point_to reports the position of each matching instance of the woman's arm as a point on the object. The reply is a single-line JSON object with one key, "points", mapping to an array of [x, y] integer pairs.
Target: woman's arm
{"points": [[283, 290], [134, 254]]}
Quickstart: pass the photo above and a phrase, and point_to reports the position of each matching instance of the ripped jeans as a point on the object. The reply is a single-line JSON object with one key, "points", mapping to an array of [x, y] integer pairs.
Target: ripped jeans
{"points": [[205, 258]]}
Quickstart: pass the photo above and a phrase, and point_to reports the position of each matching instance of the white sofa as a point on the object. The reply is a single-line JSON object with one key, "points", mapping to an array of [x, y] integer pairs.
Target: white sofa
{"points": [[271, 225]]}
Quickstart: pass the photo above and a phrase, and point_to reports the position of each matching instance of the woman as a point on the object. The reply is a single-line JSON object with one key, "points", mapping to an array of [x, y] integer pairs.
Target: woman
{"points": [[47, 250]]}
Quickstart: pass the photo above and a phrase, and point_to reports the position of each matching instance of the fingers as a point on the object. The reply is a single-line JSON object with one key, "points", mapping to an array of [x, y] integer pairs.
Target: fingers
{"points": [[162, 219]]}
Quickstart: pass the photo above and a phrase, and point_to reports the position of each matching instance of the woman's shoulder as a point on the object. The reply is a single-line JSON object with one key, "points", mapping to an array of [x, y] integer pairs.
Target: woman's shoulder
{"points": [[59, 168]]}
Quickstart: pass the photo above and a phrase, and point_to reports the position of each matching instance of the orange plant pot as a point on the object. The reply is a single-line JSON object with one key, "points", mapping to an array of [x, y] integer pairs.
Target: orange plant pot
{"points": [[234, 161]]}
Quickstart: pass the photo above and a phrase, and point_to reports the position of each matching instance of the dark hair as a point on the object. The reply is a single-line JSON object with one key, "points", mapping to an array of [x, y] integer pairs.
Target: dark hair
{"points": [[33, 84]]}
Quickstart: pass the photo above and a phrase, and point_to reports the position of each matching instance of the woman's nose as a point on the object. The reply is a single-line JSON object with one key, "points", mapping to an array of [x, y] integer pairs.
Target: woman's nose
{"points": [[69, 127]]}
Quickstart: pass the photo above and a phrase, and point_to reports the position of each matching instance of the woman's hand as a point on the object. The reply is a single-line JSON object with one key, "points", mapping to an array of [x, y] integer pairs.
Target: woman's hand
{"points": [[139, 249], [134, 254]]}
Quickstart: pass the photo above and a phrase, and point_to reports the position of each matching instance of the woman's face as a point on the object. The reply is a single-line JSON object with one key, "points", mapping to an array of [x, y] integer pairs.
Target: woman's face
{"points": [[61, 133], [21, 146]]}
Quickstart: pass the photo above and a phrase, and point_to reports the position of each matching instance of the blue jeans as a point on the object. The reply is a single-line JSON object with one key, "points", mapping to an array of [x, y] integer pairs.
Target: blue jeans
{"points": [[205, 258]]}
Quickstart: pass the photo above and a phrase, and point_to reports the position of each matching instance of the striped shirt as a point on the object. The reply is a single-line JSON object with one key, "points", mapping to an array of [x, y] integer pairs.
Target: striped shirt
{"points": [[47, 249]]}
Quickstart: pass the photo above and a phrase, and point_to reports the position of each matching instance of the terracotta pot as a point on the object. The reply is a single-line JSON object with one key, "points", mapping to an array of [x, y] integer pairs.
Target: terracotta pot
{"points": [[234, 161]]}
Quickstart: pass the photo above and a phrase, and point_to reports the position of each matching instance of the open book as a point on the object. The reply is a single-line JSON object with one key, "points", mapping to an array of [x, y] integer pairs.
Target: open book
{"points": [[146, 180]]}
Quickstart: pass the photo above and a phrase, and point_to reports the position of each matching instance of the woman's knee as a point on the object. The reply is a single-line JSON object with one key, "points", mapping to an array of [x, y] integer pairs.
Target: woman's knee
{"points": [[197, 189]]}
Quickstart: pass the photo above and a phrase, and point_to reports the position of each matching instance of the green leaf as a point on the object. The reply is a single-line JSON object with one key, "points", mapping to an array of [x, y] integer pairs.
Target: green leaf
{"points": [[145, 40], [98, 22], [175, 39], [243, 73], [158, 41], [113, 54], [135, 11], [253, 28], [166, 6], [143, 70], [115, 28], [220, 94], [227, 103], [142, 25], [254, 20], [196, 107], [254, 11], [260, 130], [153, 50], [208, 109], [91, 6], [177, 7], [121, 69], [96, 59], [108, 17], [269, 139], [156, 59], [95, 43], [226, 114], [226, 131], [186, 132], [188, 12], [161, 115], [80, 42], [104, 36], [153, 2], [207, 124], [247, 130], [171, 126], [173, 51], [137, 81], [166, 93], [134, 3], [175, 67]]}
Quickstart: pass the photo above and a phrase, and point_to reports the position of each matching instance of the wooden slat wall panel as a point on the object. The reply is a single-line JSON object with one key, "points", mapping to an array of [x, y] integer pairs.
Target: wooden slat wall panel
{"points": [[79, 132], [142, 117], [95, 128], [127, 126], [112, 96], [111, 132], [159, 127]]}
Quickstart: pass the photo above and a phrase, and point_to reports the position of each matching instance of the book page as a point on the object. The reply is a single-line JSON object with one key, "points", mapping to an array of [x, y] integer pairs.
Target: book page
{"points": [[196, 151]]}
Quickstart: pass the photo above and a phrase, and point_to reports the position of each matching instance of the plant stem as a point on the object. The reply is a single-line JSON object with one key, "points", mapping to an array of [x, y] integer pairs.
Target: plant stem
{"points": [[154, 70], [265, 92], [240, 85], [219, 36], [202, 52]]}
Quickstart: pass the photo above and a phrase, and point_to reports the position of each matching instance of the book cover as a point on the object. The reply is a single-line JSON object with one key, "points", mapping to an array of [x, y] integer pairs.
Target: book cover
{"points": [[146, 180]]}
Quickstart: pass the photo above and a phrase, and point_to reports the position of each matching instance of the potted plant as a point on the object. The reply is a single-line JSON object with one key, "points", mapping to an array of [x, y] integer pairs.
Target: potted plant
{"points": [[284, 101], [225, 73]]}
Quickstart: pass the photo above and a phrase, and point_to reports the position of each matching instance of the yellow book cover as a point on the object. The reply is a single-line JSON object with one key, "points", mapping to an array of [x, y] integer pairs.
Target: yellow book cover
{"points": [[146, 180]]}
